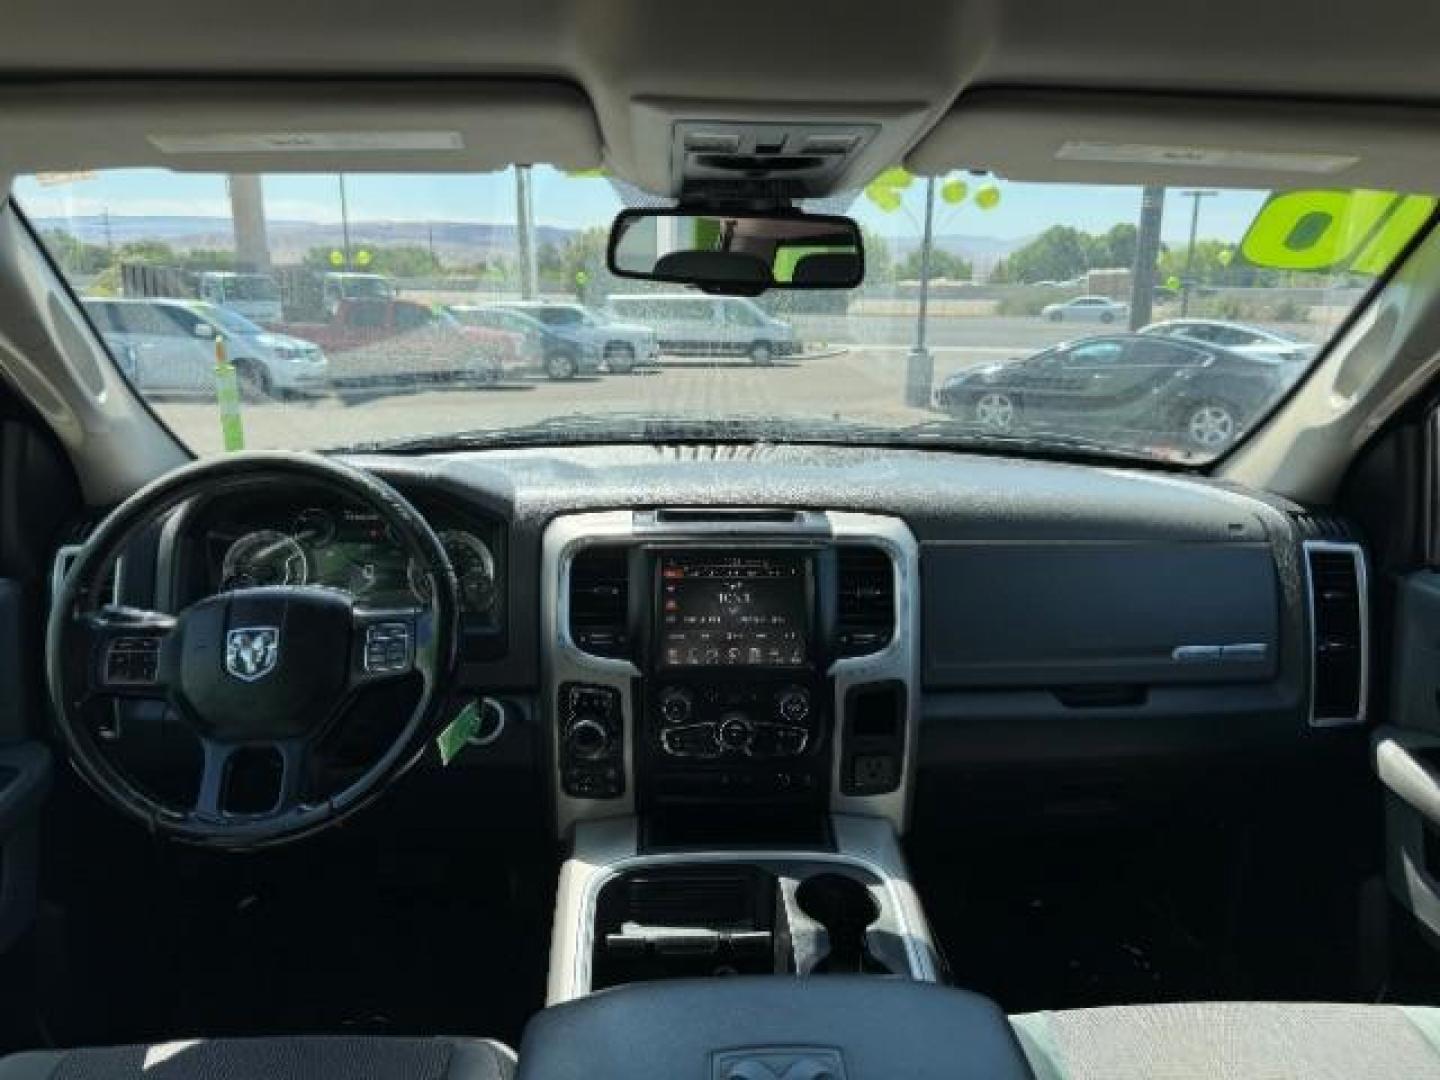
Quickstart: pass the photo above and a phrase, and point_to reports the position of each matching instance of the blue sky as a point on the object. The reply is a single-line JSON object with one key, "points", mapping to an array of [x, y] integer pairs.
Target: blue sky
{"points": [[1023, 209]]}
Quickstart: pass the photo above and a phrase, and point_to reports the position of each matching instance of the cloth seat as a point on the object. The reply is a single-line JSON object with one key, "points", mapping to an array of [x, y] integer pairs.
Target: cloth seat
{"points": [[1233, 1041], [345, 1058]]}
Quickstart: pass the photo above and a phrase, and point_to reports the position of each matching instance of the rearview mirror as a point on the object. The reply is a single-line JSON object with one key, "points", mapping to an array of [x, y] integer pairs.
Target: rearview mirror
{"points": [[740, 253]]}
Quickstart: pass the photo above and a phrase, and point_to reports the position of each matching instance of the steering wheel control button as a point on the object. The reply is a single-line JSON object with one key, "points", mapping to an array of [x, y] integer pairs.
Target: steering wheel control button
{"points": [[387, 648], [591, 731], [132, 661]]}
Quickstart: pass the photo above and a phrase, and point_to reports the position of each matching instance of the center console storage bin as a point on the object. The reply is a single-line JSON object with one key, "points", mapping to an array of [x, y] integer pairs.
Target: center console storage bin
{"points": [[847, 1028]]}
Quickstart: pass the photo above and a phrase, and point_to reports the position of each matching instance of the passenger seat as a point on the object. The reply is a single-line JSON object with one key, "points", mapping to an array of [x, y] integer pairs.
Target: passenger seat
{"points": [[1233, 1041]]}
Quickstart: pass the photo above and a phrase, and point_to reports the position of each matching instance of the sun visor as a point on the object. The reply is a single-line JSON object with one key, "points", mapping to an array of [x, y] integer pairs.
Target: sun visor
{"points": [[269, 127], [1166, 140]]}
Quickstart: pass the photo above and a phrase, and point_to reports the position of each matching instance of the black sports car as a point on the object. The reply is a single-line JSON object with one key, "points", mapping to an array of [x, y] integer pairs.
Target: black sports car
{"points": [[1198, 393]]}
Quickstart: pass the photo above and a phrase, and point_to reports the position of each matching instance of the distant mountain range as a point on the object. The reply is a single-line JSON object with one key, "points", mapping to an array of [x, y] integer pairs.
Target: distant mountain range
{"points": [[982, 249], [453, 241], [289, 240]]}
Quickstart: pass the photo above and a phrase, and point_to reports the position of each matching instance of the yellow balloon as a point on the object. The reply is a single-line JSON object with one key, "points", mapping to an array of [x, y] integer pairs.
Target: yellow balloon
{"points": [[987, 198], [953, 191], [886, 198], [337, 259], [362, 258]]}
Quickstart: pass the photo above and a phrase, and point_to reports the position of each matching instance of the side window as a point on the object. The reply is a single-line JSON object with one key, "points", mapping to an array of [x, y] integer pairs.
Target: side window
{"points": [[741, 315], [183, 321], [1162, 354], [102, 315], [144, 319], [695, 310], [1195, 331], [1088, 354], [1227, 335]]}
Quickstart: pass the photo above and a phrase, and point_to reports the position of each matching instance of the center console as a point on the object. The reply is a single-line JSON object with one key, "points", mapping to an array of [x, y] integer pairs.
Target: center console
{"points": [[732, 724]]}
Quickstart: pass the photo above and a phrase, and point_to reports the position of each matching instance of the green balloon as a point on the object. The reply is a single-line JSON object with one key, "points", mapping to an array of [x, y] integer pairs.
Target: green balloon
{"points": [[1172, 283], [953, 191]]}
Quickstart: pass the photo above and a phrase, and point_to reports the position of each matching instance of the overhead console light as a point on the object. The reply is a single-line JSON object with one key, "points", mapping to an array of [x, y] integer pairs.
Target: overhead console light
{"points": [[302, 142], [1204, 157]]}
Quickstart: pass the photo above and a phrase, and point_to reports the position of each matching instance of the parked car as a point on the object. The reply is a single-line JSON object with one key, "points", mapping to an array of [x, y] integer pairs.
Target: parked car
{"points": [[170, 345], [339, 286], [557, 350], [1201, 394], [693, 325], [1099, 309], [255, 296], [1269, 345], [401, 340], [623, 346]]}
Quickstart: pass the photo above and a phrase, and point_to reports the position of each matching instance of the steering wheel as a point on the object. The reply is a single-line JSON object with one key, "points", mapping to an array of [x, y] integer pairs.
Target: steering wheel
{"points": [[265, 673]]}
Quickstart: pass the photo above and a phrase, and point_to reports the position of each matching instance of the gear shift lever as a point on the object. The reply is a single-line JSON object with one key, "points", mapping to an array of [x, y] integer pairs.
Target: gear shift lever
{"points": [[845, 908]]}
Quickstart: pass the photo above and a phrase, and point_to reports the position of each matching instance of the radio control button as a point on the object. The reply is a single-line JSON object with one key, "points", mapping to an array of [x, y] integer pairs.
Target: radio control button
{"points": [[793, 705]]}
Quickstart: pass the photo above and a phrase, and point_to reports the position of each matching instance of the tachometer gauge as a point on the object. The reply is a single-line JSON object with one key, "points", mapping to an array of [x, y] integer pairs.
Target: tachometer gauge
{"points": [[264, 558], [314, 526], [474, 568]]}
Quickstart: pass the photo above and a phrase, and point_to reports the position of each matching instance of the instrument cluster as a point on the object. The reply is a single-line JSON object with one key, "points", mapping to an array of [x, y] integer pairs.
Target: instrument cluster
{"points": [[350, 549]]}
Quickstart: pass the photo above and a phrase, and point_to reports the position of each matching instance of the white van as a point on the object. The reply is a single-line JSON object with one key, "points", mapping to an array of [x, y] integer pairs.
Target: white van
{"points": [[690, 324]]}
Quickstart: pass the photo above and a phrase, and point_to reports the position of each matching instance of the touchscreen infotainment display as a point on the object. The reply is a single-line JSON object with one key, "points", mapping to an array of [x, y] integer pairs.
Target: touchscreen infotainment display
{"points": [[720, 610]]}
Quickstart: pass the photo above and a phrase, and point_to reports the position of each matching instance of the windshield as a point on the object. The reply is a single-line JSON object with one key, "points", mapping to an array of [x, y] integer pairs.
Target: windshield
{"points": [[938, 346], [250, 287], [227, 320], [365, 288]]}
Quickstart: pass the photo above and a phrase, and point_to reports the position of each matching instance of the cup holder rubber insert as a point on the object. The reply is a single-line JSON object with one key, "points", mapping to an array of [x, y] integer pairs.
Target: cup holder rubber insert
{"points": [[846, 909]]}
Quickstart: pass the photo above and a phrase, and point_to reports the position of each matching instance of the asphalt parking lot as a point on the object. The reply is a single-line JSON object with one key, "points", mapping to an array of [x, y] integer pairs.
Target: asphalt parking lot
{"points": [[851, 383]]}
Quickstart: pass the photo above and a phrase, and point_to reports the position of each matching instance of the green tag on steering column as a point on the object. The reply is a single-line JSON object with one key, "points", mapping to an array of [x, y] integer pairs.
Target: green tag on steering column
{"points": [[459, 731]]}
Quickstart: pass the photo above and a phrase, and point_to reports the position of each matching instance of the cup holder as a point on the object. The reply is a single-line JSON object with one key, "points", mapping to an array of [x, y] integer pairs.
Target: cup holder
{"points": [[846, 909]]}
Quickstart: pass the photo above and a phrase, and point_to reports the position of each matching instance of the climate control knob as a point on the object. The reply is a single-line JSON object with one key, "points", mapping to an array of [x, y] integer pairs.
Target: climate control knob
{"points": [[735, 732], [587, 739], [677, 706], [793, 705]]}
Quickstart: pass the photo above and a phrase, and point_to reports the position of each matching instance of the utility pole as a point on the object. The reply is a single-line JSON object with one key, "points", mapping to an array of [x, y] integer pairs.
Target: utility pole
{"points": [[1147, 254], [1188, 284], [345, 223], [920, 365], [525, 233], [109, 237], [247, 213]]}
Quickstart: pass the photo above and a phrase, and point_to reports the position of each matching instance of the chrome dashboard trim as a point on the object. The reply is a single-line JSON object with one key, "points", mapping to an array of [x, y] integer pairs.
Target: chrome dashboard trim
{"points": [[562, 661]]}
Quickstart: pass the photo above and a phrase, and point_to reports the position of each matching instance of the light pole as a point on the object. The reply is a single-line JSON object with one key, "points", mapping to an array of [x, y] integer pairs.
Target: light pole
{"points": [[525, 233], [1189, 282], [1147, 251], [920, 365], [345, 222]]}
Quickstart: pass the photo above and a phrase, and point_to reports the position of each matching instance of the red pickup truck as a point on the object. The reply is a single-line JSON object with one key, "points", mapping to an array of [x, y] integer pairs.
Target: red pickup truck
{"points": [[403, 341]]}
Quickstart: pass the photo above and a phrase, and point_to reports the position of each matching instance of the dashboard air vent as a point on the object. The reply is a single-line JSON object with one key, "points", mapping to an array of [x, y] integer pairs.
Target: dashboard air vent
{"points": [[1338, 632], [600, 601], [865, 612]]}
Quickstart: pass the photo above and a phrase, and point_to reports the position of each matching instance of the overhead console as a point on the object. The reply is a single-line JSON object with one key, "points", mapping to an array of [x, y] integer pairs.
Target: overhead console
{"points": [[757, 659]]}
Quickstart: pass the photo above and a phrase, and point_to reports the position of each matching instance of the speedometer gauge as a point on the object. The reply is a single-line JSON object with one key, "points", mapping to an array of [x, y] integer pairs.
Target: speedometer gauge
{"points": [[474, 569], [264, 558]]}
